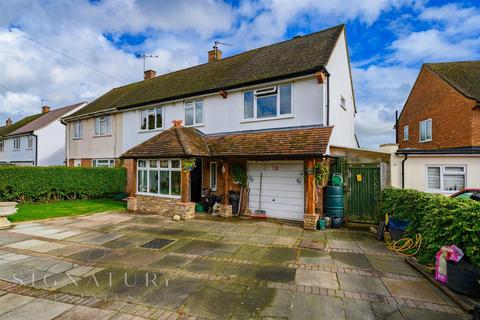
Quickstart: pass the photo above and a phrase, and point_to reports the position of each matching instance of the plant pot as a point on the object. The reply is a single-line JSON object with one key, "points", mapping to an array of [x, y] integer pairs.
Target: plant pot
{"points": [[6, 209], [463, 278]]}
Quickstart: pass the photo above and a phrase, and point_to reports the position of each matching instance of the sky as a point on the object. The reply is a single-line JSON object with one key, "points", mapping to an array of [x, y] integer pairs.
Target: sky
{"points": [[70, 51]]}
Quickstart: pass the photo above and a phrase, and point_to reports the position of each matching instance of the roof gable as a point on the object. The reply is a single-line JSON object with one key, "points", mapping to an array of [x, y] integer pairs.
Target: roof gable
{"points": [[298, 56], [7, 130]]}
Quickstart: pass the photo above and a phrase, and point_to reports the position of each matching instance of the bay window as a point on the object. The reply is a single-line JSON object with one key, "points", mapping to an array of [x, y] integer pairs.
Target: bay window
{"points": [[103, 125], [269, 102], [445, 178], [159, 177], [151, 119], [194, 113]]}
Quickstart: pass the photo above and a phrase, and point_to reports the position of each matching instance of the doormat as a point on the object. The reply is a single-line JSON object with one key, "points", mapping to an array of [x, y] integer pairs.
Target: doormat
{"points": [[157, 243], [312, 244]]}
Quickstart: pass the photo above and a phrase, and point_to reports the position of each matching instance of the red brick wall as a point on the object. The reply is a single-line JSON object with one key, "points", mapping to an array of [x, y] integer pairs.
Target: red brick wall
{"points": [[450, 111], [476, 126], [131, 166]]}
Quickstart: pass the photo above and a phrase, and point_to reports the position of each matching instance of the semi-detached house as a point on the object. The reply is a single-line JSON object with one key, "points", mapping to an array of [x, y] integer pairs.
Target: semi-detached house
{"points": [[274, 111]]}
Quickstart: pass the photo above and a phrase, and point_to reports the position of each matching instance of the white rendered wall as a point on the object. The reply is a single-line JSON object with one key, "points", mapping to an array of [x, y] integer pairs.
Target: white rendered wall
{"points": [[22, 155]]}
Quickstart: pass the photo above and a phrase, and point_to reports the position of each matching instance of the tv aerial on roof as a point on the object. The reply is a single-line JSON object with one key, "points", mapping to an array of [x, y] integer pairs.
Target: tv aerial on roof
{"points": [[145, 56]]}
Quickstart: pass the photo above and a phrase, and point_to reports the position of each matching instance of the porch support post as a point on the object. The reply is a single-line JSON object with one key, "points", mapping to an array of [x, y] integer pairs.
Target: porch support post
{"points": [[310, 218], [185, 187], [225, 209]]}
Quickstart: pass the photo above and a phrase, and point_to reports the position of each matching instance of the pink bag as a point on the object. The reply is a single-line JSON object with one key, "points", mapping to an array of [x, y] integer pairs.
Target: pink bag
{"points": [[446, 253]]}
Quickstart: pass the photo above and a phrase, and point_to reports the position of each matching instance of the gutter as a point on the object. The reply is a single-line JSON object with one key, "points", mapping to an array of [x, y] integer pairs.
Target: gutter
{"points": [[403, 170]]}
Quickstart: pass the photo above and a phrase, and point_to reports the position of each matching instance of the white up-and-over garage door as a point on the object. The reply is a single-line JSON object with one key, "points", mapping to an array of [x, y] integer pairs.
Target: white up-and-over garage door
{"points": [[282, 188]]}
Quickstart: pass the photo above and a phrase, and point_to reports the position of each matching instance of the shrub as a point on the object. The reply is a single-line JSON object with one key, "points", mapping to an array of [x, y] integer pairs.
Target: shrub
{"points": [[439, 219], [25, 184]]}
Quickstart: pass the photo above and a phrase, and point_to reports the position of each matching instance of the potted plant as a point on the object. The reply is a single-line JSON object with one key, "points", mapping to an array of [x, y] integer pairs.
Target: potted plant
{"points": [[188, 164], [6, 209]]}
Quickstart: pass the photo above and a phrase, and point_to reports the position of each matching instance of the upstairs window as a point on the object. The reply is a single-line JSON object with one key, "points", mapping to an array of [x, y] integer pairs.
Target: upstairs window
{"points": [[103, 125], [426, 130], [16, 143], [194, 113], [2, 145], [268, 102], [405, 133], [29, 142], [447, 178], [78, 129], [343, 103], [151, 119]]}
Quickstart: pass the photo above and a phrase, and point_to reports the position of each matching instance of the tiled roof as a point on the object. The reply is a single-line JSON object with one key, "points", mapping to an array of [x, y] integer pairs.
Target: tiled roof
{"points": [[6, 130], [298, 56], [464, 76], [189, 142]]}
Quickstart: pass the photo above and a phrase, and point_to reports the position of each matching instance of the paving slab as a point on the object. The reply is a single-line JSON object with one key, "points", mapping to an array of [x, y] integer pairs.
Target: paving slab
{"points": [[358, 310], [418, 314], [315, 257], [12, 301], [284, 241], [392, 265], [40, 309], [80, 271], [171, 262], [85, 313], [351, 260], [279, 306], [277, 274], [352, 282], [419, 290], [386, 311], [305, 306], [280, 255], [343, 244], [248, 252], [315, 278]]}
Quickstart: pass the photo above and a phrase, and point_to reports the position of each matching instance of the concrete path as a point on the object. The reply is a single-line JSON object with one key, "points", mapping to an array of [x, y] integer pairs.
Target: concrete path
{"points": [[125, 266]]}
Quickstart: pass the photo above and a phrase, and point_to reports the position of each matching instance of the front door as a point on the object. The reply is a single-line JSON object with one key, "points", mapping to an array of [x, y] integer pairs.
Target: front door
{"points": [[196, 182], [365, 192]]}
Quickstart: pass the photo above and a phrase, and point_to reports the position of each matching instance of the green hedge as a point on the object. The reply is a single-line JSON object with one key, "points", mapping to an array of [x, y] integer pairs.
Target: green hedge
{"points": [[26, 184], [439, 219]]}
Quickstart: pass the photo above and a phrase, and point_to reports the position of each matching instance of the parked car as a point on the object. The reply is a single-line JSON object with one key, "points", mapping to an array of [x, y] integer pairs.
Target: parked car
{"points": [[473, 194]]}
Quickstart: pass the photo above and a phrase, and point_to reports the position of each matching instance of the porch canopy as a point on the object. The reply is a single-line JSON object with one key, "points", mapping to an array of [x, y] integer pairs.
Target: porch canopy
{"points": [[186, 142]]}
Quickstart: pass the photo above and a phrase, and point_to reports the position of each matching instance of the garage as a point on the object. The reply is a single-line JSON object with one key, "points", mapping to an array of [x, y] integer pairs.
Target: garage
{"points": [[277, 187]]}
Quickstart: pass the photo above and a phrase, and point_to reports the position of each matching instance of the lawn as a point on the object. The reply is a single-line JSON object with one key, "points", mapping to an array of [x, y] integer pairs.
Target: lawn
{"points": [[35, 211]]}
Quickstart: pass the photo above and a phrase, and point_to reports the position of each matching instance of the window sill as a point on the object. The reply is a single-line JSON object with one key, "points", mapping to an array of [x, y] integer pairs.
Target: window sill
{"points": [[157, 195], [195, 125], [29, 149], [102, 136], [15, 150], [152, 130], [77, 138], [444, 192], [268, 119], [425, 141]]}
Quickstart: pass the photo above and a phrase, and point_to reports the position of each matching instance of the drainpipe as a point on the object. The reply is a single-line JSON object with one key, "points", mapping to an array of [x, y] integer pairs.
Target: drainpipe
{"points": [[328, 99], [396, 126], [403, 170], [36, 149]]}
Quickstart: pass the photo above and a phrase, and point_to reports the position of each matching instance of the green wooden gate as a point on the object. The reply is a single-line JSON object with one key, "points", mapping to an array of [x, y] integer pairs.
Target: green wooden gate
{"points": [[365, 190]]}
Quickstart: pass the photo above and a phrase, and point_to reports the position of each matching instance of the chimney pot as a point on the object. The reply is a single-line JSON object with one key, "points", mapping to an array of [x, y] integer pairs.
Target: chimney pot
{"points": [[214, 55], [149, 74], [9, 122], [45, 109], [177, 123]]}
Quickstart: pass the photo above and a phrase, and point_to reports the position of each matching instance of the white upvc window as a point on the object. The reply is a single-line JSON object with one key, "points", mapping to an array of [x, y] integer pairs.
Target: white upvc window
{"points": [[446, 178], [405, 133], [426, 130], [2, 145], [151, 119], [343, 103], [29, 142], [107, 163], [194, 113], [78, 129], [269, 102], [213, 176], [103, 125], [16, 143], [160, 177], [77, 162]]}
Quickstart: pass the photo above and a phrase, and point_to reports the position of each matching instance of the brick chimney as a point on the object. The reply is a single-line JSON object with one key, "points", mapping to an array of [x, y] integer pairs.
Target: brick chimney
{"points": [[9, 122], [214, 55], [45, 109], [177, 123], [149, 74]]}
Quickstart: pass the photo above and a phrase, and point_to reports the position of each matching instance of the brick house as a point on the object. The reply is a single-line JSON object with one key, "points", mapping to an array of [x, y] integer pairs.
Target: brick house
{"points": [[274, 111], [438, 130]]}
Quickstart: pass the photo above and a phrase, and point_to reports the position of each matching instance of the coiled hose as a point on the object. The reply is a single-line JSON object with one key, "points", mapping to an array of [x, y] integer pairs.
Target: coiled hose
{"points": [[406, 247]]}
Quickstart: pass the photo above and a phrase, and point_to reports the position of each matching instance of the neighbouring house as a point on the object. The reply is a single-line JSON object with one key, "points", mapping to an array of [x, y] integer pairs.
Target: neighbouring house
{"points": [[438, 130], [275, 112], [37, 140]]}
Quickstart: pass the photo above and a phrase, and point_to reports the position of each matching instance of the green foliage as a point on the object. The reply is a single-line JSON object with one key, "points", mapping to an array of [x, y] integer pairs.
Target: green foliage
{"points": [[29, 184], [320, 172], [439, 219], [239, 175]]}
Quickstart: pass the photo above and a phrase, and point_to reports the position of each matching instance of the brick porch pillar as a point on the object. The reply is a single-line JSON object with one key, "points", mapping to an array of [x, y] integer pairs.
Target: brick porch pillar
{"points": [[131, 166], [185, 187], [310, 218]]}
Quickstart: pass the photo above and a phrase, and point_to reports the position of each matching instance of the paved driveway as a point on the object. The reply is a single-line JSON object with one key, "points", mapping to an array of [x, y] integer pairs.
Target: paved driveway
{"points": [[125, 266]]}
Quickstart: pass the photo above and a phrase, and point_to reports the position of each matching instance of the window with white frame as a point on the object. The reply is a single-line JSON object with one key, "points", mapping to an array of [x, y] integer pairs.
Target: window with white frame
{"points": [[107, 163], [159, 177], [77, 162], [343, 103], [151, 119], [2, 145], [213, 176], [445, 178], [30, 142], [193, 113], [78, 129], [103, 125], [426, 130], [268, 102], [16, 143], [405, 133]]}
